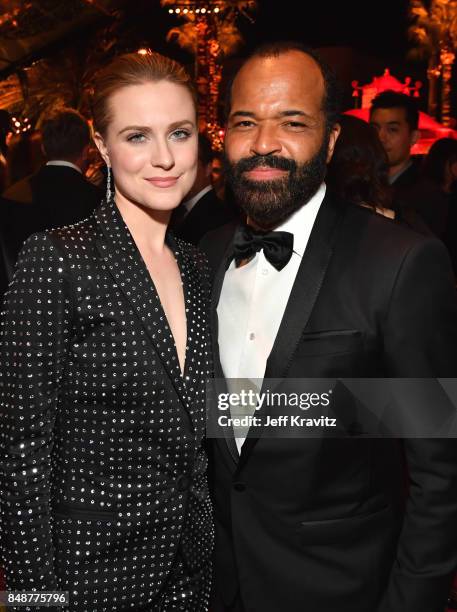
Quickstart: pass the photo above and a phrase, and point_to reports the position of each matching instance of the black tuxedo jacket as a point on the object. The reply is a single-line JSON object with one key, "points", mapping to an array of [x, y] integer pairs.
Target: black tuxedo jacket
{"points": [[103, 474], [206, 215], [17, 222], [318, 524], [60, 196]]}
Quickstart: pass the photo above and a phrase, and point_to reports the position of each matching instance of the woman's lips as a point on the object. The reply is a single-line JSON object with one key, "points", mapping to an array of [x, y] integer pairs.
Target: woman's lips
{"points": [[265, 174], [163, 182]]}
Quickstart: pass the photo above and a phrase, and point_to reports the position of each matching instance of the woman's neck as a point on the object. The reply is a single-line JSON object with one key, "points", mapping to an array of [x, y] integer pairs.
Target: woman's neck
{"points": [[148, 227]]}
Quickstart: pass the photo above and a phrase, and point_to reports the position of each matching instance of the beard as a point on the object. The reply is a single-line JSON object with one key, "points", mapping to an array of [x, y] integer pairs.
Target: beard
{"points": [[269, 203]]}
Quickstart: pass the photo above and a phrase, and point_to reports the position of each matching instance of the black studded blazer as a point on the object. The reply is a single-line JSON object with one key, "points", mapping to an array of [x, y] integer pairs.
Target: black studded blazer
{"points": [[104, 490]]}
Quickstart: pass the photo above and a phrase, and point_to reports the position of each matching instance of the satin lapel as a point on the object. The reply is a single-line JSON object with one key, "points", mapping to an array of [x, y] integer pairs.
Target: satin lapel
{"points": [[228, 443], [305, 291], [129, 271]]}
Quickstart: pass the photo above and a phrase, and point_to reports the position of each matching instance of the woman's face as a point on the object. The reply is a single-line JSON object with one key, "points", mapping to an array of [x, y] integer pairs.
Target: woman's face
{"points": [[151, 144]]}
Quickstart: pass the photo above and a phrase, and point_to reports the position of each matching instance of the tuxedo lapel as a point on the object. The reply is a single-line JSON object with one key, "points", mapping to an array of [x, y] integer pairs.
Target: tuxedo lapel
{"points": [[305, 291], [129, 271]]}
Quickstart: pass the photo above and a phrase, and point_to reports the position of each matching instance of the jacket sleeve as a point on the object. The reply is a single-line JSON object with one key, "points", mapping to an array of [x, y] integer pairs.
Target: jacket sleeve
{"points": [[36, 325], [421, 342]]}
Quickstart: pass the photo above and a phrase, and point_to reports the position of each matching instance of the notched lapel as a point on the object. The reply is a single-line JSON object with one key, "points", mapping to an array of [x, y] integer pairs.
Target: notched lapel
{"points": [[129, 271]]}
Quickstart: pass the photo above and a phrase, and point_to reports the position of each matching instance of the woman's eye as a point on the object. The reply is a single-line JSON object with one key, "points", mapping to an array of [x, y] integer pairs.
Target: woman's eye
{"points": [[135, 138], [180, 134]]}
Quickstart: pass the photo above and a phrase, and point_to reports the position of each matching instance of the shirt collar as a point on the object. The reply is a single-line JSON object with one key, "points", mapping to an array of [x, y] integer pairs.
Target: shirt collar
{"points": [[394, 177], [62, 162], [301, 222]]}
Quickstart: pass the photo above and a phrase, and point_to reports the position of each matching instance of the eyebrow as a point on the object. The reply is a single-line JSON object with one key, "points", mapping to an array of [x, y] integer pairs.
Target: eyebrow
{"points": [[388, 122], [147, 130], [285, 113]]}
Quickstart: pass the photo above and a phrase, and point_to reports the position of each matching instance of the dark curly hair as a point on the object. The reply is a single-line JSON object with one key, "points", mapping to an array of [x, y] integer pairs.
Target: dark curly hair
{"points": [[358, 171]]}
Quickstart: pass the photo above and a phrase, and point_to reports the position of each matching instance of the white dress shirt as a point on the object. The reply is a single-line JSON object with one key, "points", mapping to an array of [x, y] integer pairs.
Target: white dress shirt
{"points": [[253, 300], [63, 162]]}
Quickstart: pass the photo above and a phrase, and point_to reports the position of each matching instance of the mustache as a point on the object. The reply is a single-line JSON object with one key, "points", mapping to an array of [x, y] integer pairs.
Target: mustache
{"points": [[246, 164]]}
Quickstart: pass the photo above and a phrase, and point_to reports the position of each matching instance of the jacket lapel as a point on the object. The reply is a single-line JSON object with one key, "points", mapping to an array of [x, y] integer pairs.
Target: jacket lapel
{"points": [[125, 264], [228, 443], [305, 291]]}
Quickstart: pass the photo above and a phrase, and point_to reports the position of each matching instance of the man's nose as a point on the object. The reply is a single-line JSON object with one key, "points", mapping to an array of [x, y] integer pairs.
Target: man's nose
{"points": [[383, 137], [266, 141]]}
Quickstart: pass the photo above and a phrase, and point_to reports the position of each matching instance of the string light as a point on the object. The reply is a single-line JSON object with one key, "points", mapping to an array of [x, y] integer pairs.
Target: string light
{"points": [[21, 125], [194, 7]]}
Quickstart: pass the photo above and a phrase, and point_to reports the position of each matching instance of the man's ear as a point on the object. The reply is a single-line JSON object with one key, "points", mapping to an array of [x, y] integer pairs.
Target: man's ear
{"points": [[453, 169], [101, 146], [333, 137], [415, 135], [208, 170]]}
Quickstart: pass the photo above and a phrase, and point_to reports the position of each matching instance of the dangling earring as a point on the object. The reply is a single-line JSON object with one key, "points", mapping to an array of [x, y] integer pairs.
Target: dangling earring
{"points": [[109, 193]]}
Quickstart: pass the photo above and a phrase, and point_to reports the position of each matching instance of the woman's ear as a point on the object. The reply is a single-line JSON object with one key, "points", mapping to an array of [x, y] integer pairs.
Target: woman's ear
{"points": [[101, 146]]}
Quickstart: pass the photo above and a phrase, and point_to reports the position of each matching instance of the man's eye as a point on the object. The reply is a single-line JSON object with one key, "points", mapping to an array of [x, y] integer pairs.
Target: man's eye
{"points": [[180, 134], [243, 124], [295, 124], [136, 138]]}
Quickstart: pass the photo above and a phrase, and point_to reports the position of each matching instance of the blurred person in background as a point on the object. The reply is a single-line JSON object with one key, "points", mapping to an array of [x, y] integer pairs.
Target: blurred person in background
{"points": [[359, 173], [59, 192], [5, 135], [25, 156], [396, 118], [432, 192], [202, 210], [217, 174], [358, 170]]}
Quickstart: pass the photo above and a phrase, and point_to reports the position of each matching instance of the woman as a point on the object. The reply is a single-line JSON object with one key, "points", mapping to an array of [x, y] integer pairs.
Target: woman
{"points": [[105, 357], [431, 194], [358, 173], [358, 169]]}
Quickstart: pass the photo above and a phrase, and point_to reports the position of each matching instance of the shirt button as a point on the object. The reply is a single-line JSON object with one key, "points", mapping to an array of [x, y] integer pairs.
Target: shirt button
{"points": [[264, 271], [252, 336]]}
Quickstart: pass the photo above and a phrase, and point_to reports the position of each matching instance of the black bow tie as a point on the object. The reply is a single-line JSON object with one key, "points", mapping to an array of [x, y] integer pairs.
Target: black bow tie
{"points": [[277, 246]]}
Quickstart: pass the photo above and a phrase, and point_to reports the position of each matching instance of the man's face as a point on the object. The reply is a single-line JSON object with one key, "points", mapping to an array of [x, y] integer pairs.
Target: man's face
{"points": [[395, 134], [276, 143]]}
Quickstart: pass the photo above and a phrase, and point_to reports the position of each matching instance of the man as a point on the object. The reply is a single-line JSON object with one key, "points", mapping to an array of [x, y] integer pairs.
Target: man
{"points": [[396, 119], [15, 227], [316, 524], [203, 210], [59, 192]]}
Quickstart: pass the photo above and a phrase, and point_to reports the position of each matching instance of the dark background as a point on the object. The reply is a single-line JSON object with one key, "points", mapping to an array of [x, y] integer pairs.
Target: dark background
{"points": [[360, 38]]}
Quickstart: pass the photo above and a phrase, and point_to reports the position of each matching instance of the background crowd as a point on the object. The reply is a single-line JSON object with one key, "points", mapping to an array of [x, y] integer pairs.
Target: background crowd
{"points": [[53, 176]]}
